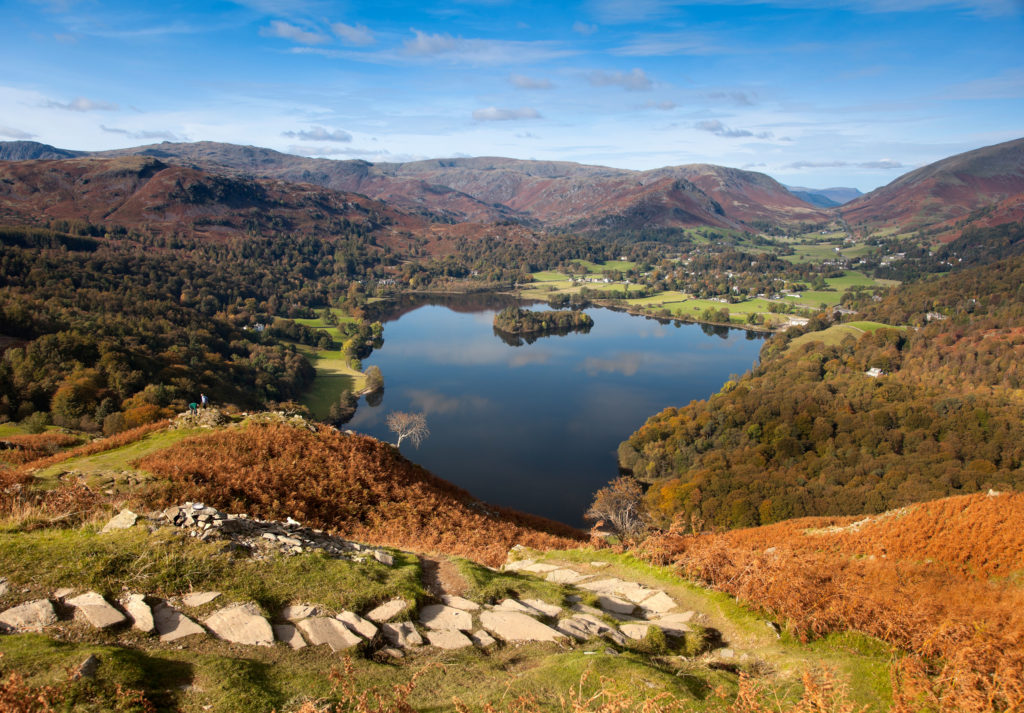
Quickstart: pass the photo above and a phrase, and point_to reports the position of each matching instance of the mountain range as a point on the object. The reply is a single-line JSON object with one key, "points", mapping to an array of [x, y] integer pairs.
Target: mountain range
{"points": [[433, 198]]}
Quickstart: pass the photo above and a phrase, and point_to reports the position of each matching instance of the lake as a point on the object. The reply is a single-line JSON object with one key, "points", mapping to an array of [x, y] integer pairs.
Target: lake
{"points": [[536, 427]]}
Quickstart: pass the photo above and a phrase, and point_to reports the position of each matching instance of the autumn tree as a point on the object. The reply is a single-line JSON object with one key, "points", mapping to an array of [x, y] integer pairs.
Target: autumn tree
{"points": [[622, 504], [408, 425]]}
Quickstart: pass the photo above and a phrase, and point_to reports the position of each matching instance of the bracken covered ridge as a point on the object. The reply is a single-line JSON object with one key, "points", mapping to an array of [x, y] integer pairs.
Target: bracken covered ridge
{"points": [[939, 580], [356, 486]]}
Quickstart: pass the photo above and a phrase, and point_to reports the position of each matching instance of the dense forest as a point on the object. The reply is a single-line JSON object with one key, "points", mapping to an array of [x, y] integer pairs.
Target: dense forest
{"points": [[811, 432], [113, 333]]}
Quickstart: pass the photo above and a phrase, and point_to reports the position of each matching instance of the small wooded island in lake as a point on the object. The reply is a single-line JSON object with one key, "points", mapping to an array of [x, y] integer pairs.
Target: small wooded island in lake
{"points": [[515, 320]]}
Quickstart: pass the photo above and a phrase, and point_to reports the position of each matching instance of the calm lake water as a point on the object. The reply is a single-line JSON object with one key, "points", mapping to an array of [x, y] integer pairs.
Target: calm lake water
{"points": [[536, 427]]}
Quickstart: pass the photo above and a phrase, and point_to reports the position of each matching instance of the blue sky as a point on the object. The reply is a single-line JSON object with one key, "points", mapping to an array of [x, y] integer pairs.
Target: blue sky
{"points": [[831, 93]]}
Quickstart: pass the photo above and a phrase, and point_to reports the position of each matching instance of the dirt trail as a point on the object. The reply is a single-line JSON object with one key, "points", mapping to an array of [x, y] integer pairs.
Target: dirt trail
{"points": [[441, 577]]}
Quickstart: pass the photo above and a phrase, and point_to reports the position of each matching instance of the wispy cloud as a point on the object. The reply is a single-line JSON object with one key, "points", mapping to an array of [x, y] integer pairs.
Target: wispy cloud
{"points": [[12, 133], [521, 81], [740, 98], [151, 135], [615, 12], [493, 113], [662, 105], [885, 163], [443, 46], [319, 133], [81, 104], [714, 126], [667, 44], [288, 31], [583, 28], [633, 81], [1008, 85], [359, 35]]}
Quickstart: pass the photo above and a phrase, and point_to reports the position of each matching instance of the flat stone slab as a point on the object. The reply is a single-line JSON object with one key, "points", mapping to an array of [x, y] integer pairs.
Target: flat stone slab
{"points": [[402, 634], [63, 593], [517, 565], [97, 611], [383, 557], [440, 617], [295, 612], [241, 624], [460, 603], [198, 599], [543, 607], [614, 605], [172, 625], [139, 612], [448, 639], [514, 626], [30, 616], [388, 610], [121, 521], [358, 625], [659, 602], [482, 639], [632, 591], [635, 631], [288, 634], [325, 630], [540, 568], [566, 576], [599, 565], [581, 629], [514, 605]]}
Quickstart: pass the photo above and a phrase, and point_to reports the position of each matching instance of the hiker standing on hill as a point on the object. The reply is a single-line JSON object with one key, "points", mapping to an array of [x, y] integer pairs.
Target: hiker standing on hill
{"points": [[202, 399]]}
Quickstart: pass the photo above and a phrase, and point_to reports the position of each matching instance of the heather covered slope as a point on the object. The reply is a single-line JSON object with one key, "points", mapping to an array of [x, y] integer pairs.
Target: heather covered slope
{"points": [[353, 485], [989, 179], [937, 579]]}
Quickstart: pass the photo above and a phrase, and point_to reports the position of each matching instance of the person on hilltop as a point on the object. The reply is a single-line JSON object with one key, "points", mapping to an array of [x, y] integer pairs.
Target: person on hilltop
{"points": [[193, 408], [202, 400]]}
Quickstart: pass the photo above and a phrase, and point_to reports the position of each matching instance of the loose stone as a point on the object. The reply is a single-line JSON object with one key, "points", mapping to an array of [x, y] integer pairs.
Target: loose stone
{"points": [[241, 624], [441, 617], [97, 611]]}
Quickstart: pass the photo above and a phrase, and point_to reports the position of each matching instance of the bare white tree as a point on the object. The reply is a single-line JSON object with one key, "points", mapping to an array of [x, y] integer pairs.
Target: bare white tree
{"points": [[408, 425]]}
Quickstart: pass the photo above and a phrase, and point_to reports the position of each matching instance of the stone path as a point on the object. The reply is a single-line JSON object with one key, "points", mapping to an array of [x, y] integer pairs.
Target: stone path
{"points": [[610, 608]]}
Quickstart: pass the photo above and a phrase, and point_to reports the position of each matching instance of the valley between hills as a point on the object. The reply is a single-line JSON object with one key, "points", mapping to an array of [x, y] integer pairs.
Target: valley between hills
{"points": [[835, 529]]}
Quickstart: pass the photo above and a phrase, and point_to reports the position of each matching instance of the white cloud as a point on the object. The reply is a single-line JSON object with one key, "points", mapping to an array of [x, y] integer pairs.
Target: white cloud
{"points": [[288, 31], [492, 113], [583, 28], [523, 82], [353, 34], [717, 128], [635, 80], [81, 104], [12, 133], [319, 133], [430, 44]]}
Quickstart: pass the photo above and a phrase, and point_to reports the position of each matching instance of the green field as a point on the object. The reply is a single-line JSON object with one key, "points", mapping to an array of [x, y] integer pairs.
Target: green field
{"points": [[595, 269], [837, 333], [333, 373]]}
